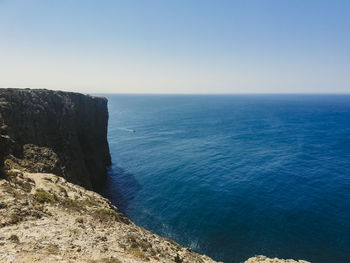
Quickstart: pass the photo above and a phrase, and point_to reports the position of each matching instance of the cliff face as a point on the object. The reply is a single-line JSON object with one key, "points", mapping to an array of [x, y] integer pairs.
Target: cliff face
{"points": [[58, 132]]}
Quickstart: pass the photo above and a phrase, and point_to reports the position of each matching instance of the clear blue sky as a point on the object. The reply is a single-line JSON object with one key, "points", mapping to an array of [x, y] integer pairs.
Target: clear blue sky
{"points": [[214, 46]]}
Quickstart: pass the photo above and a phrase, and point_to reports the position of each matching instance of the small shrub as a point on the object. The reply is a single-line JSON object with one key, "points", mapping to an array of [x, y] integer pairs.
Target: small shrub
{"points": [[15, 218], [14, 238], [42, 196], [53, 249], [105, 214], [79, 220]]}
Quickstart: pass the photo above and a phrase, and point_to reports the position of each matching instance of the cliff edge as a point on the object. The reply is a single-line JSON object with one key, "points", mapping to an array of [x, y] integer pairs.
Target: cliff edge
{"points": [[57, 132]]}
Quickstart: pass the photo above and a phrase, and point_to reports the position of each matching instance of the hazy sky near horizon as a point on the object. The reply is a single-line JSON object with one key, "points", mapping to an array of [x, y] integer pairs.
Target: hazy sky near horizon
{"points": [[183, 46]]}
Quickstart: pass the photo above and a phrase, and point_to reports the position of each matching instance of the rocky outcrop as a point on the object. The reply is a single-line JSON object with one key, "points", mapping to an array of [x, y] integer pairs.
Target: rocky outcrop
{"points": [[58, 132]]}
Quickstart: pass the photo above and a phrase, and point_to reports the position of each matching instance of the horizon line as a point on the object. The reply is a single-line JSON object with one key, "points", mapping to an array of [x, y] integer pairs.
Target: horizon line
{"points": [[190, 94], [219, 94]]}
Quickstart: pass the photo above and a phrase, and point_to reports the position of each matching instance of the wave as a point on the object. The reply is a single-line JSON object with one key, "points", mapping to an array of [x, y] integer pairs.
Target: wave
{"points": [[126, 129]]}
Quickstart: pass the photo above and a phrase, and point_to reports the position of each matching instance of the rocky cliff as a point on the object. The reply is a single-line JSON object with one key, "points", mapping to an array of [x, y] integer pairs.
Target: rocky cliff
{"points": [[57, 132], [50, 141]]}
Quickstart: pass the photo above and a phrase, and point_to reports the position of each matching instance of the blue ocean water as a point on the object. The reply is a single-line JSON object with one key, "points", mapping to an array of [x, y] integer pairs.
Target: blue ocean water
{"points": [[235, 176]]}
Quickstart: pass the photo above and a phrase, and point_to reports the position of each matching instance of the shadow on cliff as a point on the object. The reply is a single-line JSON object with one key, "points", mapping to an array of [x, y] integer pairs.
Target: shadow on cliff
{"points": [[120, 188]]}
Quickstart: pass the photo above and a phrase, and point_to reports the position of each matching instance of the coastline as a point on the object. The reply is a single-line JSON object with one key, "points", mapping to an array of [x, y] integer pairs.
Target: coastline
{"points": [[51, 142]]}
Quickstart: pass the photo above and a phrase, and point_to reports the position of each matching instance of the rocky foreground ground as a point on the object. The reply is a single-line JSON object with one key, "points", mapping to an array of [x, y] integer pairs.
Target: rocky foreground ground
{"points": [[44, 218]]}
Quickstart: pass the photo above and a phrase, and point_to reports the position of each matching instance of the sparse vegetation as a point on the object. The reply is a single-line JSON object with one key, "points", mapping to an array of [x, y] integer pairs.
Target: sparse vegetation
{"points": [[42, 196], [91, 202], [14, 238], [71, 204], [105, 260], [137, 253], [53, 249], [105, 214], [79, 220], [137, 242], [171, 242], [76, 205]]}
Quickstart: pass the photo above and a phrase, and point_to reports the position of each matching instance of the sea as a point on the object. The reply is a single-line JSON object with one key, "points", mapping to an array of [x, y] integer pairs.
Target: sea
{"points": [[233, 176]]}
